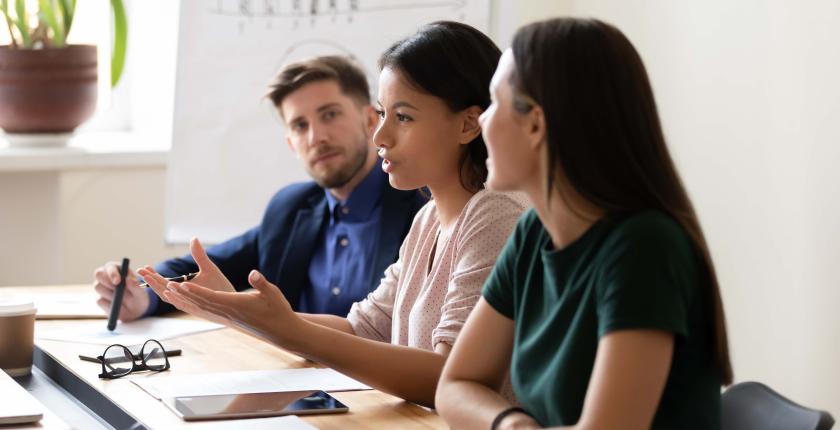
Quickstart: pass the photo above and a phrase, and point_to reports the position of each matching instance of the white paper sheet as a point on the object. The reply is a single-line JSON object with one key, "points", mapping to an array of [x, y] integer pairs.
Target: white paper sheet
{"points": [[256, 381], [131, 333], [291, 422]]}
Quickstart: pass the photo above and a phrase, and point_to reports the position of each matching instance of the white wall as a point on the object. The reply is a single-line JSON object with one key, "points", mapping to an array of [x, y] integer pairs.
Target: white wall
{"points": [[108, 214], [28, 204], [749, 96], [57, 226]]}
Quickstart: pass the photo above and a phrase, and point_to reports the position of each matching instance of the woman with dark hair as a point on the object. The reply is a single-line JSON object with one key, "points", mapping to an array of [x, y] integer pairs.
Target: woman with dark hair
{"points": [[604, 305], [432, 88]]}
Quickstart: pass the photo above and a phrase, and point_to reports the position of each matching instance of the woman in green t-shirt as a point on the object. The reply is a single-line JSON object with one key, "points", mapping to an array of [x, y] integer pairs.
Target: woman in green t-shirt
{"points": [[604, 305]]}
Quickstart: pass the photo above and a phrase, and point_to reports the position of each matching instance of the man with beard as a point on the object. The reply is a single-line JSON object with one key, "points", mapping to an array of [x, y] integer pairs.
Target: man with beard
{"points": [[324, 243]]}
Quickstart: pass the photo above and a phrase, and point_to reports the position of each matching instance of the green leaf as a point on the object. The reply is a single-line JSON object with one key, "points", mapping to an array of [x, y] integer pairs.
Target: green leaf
{"points": [[22, 25], [68, 9], [120, 41], [47, 15]]}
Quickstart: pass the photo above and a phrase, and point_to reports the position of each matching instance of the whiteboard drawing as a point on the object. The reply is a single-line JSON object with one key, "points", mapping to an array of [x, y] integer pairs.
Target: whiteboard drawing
{"points": [[313, 11], [329, 8]]}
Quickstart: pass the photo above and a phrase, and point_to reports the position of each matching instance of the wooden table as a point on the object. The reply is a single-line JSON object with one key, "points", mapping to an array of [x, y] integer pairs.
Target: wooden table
{"points": [[222, 350]]}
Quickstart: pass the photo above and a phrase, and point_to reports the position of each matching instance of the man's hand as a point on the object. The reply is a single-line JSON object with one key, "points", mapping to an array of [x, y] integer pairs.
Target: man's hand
{"points": [[135, 300]]}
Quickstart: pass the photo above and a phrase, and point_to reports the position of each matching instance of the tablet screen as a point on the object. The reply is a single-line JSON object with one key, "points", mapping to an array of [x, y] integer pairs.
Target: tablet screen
{"points": [[255, 405]]}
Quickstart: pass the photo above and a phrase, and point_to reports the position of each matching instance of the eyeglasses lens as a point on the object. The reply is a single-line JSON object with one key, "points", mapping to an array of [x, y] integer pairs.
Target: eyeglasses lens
{"points": [[118, 360], [154, 355]]}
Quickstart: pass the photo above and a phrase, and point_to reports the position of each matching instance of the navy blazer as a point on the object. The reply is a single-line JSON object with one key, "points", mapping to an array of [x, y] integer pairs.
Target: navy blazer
{"points": [[282, 246]]}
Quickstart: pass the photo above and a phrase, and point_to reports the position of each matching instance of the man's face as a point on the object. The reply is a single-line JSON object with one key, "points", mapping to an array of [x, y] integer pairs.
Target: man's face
{"points": [[328, 130]]}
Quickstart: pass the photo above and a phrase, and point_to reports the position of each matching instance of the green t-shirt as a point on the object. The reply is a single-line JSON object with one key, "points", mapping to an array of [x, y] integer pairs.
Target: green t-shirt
{"points": [[626, 272]]}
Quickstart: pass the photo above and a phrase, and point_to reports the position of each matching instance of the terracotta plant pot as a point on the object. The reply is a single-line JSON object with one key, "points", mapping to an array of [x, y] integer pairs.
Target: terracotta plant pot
{"points": [[46, 90]]}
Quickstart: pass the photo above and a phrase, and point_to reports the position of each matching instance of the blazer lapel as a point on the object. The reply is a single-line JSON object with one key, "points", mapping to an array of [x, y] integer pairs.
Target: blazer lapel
{"points": [[300, 246], [395, 222]]}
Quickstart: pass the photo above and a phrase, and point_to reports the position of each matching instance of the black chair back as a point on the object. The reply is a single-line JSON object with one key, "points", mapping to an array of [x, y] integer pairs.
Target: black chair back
{"points": [[755, 406]]}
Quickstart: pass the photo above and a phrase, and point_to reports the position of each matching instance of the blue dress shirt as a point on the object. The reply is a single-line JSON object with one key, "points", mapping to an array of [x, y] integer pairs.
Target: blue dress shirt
{"points": [[340, 267]]}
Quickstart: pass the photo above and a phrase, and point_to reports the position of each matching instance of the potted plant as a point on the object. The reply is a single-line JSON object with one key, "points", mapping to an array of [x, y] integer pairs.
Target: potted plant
{"points": [[47, 85]]}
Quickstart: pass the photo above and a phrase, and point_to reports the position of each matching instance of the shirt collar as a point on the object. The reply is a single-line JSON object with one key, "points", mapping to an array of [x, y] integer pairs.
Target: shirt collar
{"points": [[362, 200]]}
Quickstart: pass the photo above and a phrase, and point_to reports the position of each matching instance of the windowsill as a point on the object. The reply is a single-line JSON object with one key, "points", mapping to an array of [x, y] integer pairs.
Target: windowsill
{"points": [[84, 151]]}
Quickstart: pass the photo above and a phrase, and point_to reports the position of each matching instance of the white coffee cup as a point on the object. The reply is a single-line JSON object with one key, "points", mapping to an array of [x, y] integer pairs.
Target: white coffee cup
{"points": [[17, 336]]}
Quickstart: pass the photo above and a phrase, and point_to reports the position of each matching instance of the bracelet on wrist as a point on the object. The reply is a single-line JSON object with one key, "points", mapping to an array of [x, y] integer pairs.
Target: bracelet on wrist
{"points": [[505, 413]]}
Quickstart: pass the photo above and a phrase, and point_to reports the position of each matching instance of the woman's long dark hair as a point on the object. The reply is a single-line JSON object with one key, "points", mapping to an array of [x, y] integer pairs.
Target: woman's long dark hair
{"points": [[454, 62], [604, 135]]}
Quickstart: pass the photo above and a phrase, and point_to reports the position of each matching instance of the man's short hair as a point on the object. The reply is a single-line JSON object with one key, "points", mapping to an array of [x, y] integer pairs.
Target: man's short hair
{"points": [[349, 76]]}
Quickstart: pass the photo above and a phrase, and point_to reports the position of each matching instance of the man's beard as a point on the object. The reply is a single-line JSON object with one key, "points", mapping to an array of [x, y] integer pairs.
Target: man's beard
{"points": [[342, 176]]}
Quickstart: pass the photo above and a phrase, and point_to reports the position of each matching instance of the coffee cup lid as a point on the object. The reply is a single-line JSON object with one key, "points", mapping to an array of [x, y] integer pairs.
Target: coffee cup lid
{"points": [[10, 306]]}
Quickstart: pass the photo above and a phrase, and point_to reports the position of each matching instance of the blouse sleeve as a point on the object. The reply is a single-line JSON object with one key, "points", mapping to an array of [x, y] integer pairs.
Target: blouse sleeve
{"points": [[371, 317], [479, 242]]}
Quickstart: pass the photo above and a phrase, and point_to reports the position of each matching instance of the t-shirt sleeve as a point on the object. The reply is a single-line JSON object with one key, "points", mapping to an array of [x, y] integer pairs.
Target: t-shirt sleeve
{"points": [[479, 243], [499, 288], [649, 277]]}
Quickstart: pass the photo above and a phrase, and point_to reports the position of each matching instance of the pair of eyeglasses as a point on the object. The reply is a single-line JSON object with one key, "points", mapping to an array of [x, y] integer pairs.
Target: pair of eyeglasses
{"points": [[118, 361]]}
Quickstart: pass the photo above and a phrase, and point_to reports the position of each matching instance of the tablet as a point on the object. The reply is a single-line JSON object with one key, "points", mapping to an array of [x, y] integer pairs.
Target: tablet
{"points": [[254, 405]]}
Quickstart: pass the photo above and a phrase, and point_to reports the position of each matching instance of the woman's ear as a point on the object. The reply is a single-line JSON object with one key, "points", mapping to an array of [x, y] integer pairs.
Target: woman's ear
{"points": [[471, 127], [534, 126]]}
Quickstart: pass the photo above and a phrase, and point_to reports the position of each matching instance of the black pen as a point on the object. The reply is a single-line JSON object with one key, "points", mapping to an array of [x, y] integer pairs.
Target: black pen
{"points": [[182, 278], [116, 302]]}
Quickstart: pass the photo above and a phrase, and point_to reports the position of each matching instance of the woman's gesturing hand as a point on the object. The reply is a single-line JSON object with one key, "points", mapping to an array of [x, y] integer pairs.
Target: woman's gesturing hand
{"points": [[263, 312]]}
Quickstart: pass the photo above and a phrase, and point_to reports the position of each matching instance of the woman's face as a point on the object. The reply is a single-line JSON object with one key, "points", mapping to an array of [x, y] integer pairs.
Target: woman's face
{"points": [[417, 136], [511, 161]]}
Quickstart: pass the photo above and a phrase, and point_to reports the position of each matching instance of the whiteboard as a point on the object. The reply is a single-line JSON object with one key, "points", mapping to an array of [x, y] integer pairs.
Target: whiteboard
{"points": [[229, 152]]}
